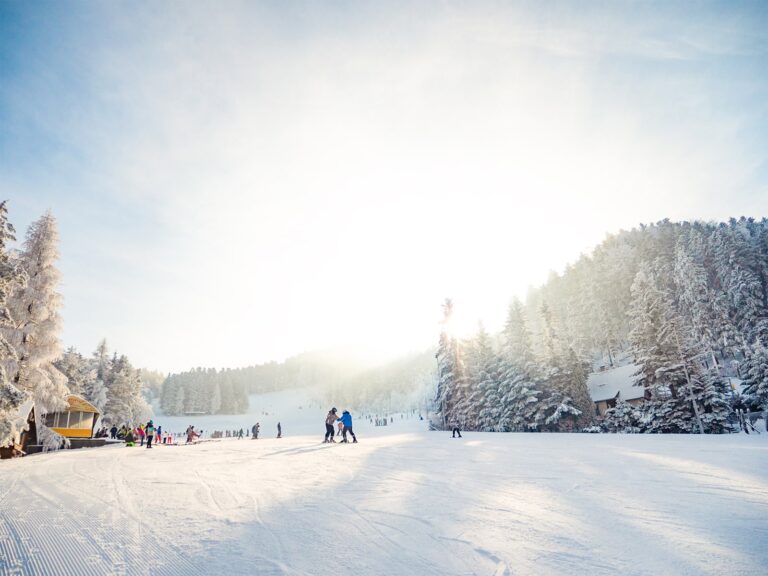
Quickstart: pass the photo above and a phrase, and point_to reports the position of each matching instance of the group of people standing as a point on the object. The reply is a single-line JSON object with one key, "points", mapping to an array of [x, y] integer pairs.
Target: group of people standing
{"points": [[142, 432], [344, 423]]}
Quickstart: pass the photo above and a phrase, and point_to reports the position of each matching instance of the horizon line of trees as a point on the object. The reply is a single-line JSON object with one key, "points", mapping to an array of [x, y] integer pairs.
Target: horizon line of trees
{"points": [[401, 383], [686, 302]]}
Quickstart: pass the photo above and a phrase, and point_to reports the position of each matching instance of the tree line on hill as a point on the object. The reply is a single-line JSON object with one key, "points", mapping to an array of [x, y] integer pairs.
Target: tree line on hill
{"points": [[686, 302], [32, 362], [332, 376]]}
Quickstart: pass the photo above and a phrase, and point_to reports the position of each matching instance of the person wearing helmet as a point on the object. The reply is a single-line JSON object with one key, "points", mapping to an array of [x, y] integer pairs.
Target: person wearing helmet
{"points": [[330, 420]]}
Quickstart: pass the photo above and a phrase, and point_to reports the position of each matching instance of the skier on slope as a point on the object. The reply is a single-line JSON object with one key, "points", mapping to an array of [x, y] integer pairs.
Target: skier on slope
{"points": [[456, 429], [279, 430], [150, 432], [330, 420], [346, 419], [191, 434]]}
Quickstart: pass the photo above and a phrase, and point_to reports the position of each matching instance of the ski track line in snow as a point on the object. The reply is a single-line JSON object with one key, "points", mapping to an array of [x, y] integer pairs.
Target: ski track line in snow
{"points": [[77, 542]]}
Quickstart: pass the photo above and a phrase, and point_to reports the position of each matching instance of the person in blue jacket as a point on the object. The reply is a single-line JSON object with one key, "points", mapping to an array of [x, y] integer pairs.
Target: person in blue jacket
{"points": [[346, 419]]}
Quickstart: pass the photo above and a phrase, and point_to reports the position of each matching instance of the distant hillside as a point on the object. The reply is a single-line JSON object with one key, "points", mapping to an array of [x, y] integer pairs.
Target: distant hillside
{"points": [[331, 374]]}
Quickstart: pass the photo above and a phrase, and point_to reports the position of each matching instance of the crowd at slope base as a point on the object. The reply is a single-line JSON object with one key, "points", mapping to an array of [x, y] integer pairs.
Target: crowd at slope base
{"points": [[148, 434]]}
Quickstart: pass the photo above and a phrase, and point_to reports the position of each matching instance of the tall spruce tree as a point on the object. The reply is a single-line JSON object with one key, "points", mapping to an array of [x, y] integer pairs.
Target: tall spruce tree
{"points": [[12, 277], [451, 383], [520, 386], [36, 324], [483, 405], [565, 404], [756, 380]]}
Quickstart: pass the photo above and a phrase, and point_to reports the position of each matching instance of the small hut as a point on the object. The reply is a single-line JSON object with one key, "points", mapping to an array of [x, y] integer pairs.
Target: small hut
{"points": [[608, 386], [77, 420], [76, 423]]}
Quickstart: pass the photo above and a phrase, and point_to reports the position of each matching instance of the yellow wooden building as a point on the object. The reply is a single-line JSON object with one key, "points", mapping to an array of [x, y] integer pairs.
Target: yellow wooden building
{"points": [[76, 421]]}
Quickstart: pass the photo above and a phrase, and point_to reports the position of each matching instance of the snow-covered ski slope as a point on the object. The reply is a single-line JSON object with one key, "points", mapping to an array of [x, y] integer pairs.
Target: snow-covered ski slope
{"points": [[297, 411], [396, 503]]}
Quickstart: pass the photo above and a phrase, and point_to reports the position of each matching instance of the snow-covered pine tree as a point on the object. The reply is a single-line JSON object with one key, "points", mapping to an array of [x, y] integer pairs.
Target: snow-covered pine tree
{"points": [[76, 369], [685, 396], [34, 311], [483, 403], [125, 403], [660, 371], [740, 279], [622, 418], [520, 386], [174, 397], [82, 379], [12, 276], [756, 381], [694, 293], [227, 392], [565, 404], [517, 339], [215, 398], [141, 411], [576, 372], [451, 374]]}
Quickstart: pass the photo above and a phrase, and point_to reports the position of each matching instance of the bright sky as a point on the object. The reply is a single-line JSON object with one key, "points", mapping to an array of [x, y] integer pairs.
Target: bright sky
{"points": [[239, 182]]}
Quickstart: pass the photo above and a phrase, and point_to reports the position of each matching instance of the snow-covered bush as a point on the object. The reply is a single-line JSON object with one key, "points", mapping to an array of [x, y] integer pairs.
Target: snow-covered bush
{"points": [[622, 418]]}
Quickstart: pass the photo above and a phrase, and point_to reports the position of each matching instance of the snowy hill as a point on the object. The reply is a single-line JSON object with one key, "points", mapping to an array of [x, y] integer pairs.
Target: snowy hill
{"points": [[416, 503], [297, 410]]}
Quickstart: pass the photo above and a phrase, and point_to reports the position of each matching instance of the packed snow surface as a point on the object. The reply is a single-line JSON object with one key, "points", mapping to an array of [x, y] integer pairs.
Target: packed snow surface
{"points": [[403, 501]]}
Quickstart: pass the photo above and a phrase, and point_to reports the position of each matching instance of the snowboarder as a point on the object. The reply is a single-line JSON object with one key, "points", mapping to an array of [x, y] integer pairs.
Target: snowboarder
{"points": [[240, 434], [330, 419], [346, 419], [150, 432], [113, 432], [279, 430], [129, 441], [255, 430], [456, 430]]}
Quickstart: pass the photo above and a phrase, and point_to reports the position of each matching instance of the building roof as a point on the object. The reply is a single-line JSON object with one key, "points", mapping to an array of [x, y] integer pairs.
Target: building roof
{"points": [[80, 404], [615, 382]]}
